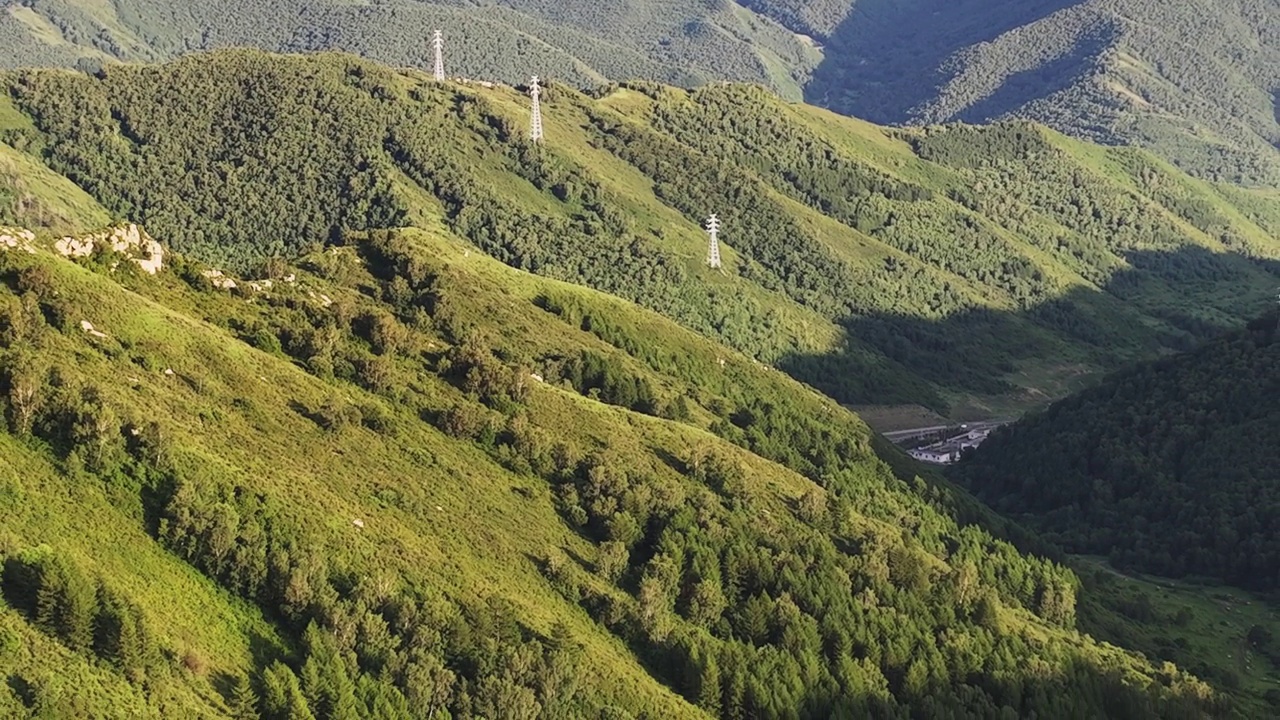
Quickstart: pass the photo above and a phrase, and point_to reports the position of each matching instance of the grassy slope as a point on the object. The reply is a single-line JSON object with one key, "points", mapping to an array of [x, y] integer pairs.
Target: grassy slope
{"points": [[1020, 214], [1110, 172], [31, 195], [438, 514], [458, 525], [186, 610], [1203, 627], [870, 146]]}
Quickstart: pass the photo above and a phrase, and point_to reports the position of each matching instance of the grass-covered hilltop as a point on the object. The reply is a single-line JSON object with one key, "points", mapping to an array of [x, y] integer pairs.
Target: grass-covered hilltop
{"points": [[1193, 80], [326, 394], [962, 268]]}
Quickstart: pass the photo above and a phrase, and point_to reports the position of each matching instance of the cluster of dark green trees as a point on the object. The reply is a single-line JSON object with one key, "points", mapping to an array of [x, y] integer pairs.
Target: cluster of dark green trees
{"points": [[85, 613], [1166, 468]]}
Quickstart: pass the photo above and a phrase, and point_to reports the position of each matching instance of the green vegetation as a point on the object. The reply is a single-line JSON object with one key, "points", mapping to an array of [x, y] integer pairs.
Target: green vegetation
{"points": [[373, 472], [948, 267], [1170, 76], [1194, 83], [401, 475], [1167, 467], [576, 41], [1223, 634]]}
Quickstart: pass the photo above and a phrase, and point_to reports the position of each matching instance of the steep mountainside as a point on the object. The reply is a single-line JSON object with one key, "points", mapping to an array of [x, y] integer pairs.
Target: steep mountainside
{"points": [[1195, 80], [400, 478], [1168, 468], [581, 42], [978, 269]]}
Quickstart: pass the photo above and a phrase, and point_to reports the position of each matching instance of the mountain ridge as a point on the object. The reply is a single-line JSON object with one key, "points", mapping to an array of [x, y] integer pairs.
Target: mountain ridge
{"points": [[395, 433], [1115, 71], [854, 254]]}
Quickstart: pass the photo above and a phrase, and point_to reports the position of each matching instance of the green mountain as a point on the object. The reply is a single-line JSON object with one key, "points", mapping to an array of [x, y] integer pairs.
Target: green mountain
{"points": [[399, 479], [1194, 80], [580, 42], [1167, 468], [343, 455], [976, 270]]}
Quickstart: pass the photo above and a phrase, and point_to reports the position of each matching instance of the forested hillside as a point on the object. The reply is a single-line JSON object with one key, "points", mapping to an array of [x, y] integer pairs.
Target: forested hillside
{"points": [[581, 42], [1168, 468], [396, 479], [1194, 80], [960, 268]]}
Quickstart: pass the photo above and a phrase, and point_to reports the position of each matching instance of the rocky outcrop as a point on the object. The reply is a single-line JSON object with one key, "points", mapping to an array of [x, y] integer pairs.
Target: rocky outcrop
{"points": [[128, 240], [17, 239], [219, 280]]}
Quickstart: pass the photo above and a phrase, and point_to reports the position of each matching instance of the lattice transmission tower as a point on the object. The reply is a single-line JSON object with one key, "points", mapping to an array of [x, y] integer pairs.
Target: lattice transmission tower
{"points": [[535, 123], [438, 43], [713, 248]]}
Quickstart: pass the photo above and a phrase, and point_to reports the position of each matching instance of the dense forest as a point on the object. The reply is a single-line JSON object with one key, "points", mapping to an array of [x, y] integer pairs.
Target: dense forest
{"points": [[879, 266], [563, 507], [1193, 81], [1167, 468]]}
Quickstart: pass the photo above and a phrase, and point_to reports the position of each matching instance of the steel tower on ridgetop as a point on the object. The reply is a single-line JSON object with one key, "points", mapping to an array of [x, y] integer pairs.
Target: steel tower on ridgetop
{"points": [[713, 251], [535, 123], [438, 42]]}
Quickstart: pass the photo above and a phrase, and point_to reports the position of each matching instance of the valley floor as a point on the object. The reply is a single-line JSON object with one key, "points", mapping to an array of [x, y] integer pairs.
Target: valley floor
{"points": [[1221, 633]]}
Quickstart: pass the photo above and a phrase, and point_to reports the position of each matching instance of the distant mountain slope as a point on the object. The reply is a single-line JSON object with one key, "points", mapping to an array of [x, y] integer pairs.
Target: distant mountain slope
{"points": [[941, 267], [582, 42], [1194, 80], [1169, 468]]}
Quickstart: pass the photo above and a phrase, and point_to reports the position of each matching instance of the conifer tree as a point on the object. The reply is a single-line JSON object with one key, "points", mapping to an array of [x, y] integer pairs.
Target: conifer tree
{"points": [[709, 689], [48, 596], [282, 695], [79, 607], [244, 701]]}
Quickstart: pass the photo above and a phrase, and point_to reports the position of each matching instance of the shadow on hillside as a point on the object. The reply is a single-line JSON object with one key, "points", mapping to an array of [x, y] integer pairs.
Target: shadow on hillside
{"points": [[1041, 81], [1166, 301], [22, 689], [889, 56]]}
